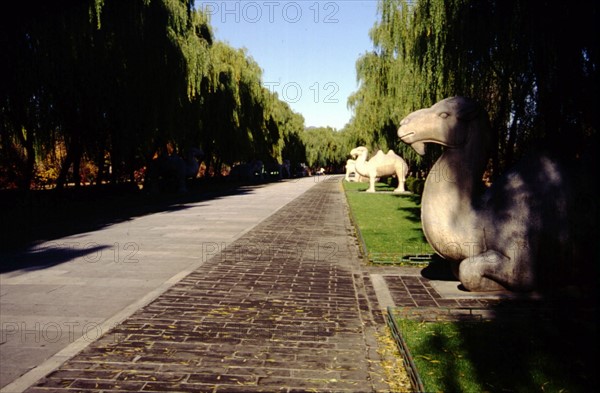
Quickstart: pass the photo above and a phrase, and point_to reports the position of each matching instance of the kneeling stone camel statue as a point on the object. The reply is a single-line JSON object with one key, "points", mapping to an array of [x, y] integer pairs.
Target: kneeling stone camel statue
{"points": [[380, 165], [516, 236]]}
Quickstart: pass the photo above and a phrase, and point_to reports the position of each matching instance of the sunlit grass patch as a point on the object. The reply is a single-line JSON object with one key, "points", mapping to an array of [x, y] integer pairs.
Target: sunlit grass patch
{"points": [[523, 354], [389, 224]]}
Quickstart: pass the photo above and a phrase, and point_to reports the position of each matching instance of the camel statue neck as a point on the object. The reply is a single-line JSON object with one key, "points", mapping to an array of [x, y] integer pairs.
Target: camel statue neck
{"points": [[453, 183], [361, 160]]}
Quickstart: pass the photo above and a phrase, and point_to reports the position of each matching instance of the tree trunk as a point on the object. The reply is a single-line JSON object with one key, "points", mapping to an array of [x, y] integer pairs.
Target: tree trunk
{"points": [[100, 165], [64, 170], [73, 157], [77, 169], [29, 162]]}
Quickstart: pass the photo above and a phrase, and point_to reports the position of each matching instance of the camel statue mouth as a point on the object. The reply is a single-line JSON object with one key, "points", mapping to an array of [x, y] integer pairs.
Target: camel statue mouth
{"points": [[418, 146], [406, 135]]}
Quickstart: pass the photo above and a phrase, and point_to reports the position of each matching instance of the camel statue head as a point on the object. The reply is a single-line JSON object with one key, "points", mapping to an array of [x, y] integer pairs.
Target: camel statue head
{"points": [[450, 123], [359, 151]]}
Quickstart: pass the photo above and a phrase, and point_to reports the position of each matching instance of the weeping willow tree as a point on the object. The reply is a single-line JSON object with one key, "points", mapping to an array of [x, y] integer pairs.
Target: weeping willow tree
{"points": [[33, 97], [110, 81], [326, 147], [243, 120], [289, 125], [162, 52], [106, 79], [532, 64], [388, 86]]}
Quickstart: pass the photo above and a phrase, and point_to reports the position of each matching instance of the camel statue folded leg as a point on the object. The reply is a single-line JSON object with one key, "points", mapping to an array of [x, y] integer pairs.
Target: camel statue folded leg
{"points": [[515, 236], [380, 165]]}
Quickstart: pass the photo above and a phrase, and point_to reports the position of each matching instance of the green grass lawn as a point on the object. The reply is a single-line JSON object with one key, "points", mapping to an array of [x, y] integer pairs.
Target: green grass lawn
{"points": [[538, 350], [524, 354], [390, 224]]}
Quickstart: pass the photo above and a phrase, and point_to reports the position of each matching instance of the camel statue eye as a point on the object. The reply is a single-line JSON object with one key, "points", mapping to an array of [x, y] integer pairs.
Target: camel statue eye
{"points": [[443, 115]]}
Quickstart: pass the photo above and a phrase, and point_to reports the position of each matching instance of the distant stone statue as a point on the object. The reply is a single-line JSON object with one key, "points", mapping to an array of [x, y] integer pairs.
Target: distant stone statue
{"points": [[351, 169], [250, 171], [380, 165], [286, 171], [167, 171], [517, 235]]}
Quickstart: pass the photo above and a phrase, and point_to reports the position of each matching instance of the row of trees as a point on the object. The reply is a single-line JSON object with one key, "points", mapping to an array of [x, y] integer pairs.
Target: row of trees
{"points": [[105, 83], [99, 85], [533, 64]]}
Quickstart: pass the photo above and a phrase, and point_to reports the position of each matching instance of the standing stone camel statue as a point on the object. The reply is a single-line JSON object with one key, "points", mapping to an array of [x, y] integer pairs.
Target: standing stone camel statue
{"points": [[516, 235], [380, 165], [350, 169]]}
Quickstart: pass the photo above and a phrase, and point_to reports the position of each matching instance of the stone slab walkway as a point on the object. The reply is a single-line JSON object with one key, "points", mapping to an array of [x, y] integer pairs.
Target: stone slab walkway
{"points": [[69, 291], [285, 307], [262, 291]]}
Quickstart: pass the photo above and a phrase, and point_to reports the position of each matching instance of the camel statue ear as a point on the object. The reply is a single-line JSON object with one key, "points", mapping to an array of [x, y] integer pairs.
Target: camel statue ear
{"points": [[468, 109]]}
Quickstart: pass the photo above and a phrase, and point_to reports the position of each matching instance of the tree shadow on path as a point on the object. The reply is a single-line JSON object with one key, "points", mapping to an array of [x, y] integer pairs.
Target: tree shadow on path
{"points": [[46, 215]]}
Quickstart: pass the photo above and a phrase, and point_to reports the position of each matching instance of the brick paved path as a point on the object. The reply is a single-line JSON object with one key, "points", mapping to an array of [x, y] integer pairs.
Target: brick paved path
{"points": [[285, 308]]}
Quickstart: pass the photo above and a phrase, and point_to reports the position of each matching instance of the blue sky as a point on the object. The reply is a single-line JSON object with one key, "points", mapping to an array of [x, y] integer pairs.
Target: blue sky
{"points": [[307, 49]]}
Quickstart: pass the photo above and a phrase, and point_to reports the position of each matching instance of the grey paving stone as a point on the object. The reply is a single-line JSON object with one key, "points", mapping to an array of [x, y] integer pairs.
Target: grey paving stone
{"points": [[103, 276], [278, 307]]}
